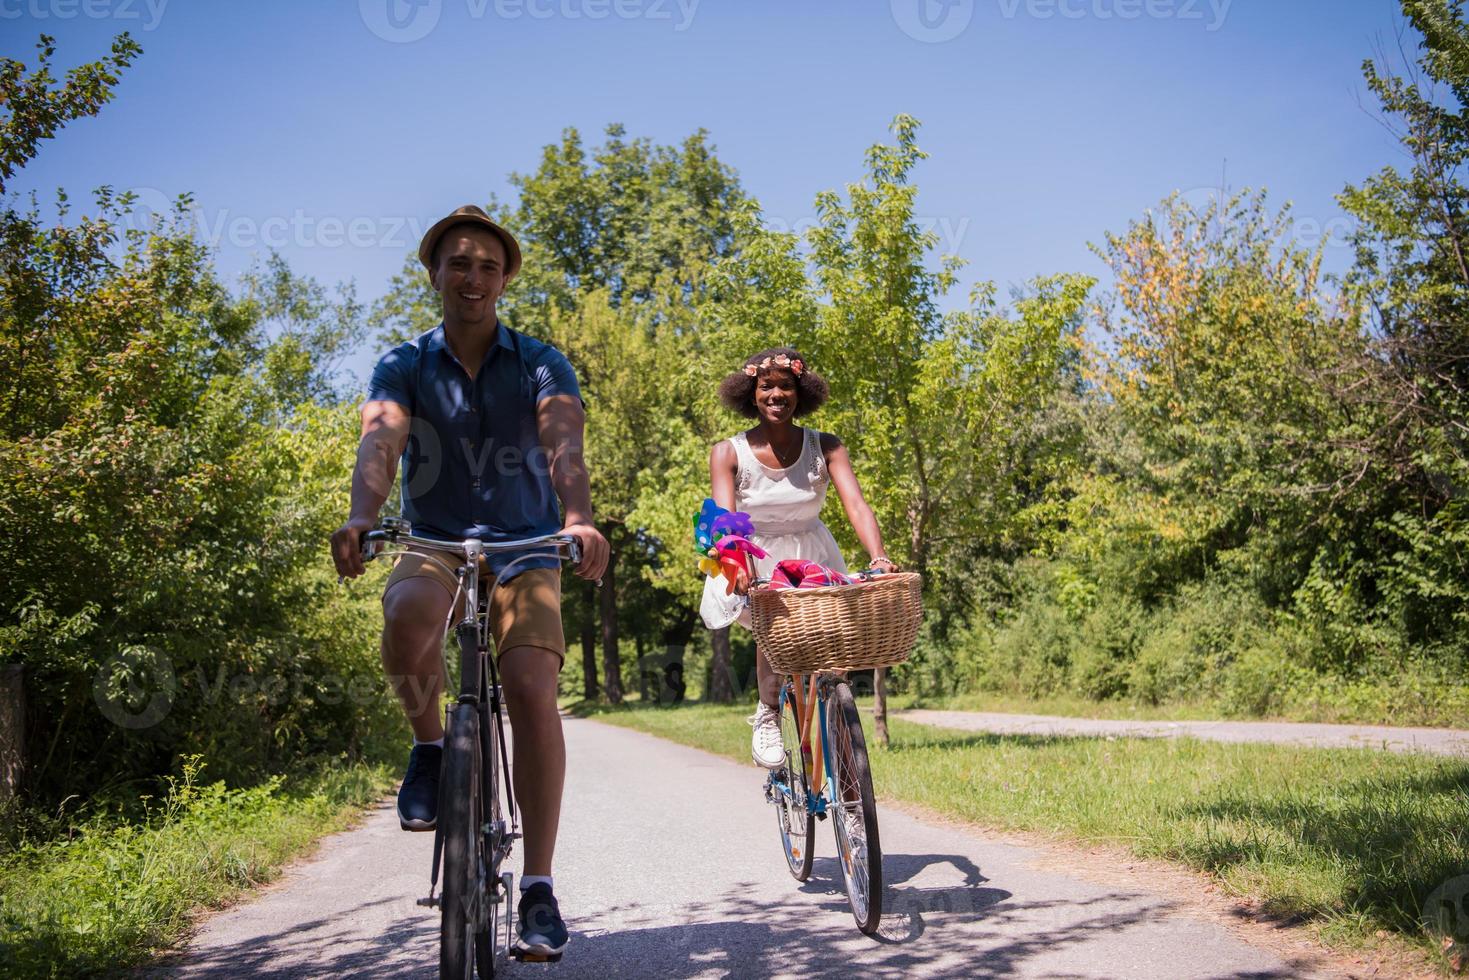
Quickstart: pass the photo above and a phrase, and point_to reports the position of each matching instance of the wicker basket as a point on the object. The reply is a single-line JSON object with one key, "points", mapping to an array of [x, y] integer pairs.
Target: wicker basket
{"points": [[838, 627]]}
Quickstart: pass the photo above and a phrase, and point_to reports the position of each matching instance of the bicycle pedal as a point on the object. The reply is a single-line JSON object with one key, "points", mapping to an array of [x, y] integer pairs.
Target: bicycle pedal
{"points": [[431, 902], [526, 956]]}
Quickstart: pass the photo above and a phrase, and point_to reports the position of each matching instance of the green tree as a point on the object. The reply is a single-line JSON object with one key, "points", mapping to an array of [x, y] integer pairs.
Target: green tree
{"points": [[33, 110], [164, 502]]}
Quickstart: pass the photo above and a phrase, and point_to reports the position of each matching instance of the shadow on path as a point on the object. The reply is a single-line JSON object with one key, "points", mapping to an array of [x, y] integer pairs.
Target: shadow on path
{"points": [[967, 930]]}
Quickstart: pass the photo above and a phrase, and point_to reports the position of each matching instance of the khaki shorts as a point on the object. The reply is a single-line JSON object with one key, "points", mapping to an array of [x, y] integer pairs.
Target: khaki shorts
{"points": [[525, 611]]}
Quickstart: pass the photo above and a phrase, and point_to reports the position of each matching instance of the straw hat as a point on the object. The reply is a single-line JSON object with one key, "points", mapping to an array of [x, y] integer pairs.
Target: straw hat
{"points": [[469, 215]]}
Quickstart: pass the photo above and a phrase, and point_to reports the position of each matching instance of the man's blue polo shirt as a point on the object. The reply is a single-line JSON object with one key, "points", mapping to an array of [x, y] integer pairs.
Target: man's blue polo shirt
{"points": [[474, 465]]}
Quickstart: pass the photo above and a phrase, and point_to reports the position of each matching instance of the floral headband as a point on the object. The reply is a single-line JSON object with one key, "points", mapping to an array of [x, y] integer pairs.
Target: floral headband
{"points": [[794, 364]]}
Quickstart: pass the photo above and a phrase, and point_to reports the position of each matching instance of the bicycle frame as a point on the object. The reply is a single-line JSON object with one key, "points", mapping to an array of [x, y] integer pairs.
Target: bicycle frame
{"points": [[472, 632], [812, 712]]}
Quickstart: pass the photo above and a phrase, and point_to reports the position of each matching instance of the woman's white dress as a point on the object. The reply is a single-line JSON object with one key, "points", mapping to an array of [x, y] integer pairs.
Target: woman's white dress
{"points": [[785, 506]]}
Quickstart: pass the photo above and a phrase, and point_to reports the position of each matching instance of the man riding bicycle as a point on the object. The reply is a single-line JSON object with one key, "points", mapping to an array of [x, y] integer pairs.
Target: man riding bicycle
{"points": [[489, 425]]}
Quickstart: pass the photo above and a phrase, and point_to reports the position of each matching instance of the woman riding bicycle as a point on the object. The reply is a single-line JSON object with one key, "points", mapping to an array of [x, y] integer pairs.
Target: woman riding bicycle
{"points": [[778, 473]]}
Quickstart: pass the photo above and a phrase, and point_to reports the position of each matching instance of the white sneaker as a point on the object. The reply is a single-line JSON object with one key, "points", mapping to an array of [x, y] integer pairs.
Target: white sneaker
{"points": [[765, 746]]}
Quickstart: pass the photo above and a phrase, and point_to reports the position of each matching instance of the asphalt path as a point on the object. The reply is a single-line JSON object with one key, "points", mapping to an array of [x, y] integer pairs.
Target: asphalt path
{"points": [[669, 866], [1435, 741]]}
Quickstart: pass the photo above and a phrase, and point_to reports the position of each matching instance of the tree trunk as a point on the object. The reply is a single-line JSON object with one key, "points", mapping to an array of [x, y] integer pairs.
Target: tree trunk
{"points": [[12, 729], [611, 661], [721, 668], [880, 705], [642, 667], [589, 644]]}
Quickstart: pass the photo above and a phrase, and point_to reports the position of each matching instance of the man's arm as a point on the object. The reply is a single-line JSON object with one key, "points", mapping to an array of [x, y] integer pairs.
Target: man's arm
{"points": [[385, 427], [561, 425]]}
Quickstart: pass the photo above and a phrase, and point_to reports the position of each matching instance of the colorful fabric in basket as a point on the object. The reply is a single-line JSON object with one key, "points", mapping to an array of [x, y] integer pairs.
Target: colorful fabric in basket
{"points": [[799, 573]]}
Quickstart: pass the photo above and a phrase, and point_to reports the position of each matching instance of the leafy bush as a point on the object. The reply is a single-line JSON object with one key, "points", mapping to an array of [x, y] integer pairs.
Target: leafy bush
{"points": [[167, 482]]}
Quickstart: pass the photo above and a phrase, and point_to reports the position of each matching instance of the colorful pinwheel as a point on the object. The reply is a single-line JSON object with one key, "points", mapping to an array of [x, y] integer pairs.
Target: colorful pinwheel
{"points": [[720, 538]]}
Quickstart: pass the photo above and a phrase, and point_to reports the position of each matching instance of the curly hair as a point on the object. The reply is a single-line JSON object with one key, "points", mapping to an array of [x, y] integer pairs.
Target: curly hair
{"points": [[737, 390]]}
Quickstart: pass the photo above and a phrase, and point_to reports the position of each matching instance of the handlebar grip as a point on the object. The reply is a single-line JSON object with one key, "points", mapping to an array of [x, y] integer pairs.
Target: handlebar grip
{"points": [[365, 543], [573, 550]]}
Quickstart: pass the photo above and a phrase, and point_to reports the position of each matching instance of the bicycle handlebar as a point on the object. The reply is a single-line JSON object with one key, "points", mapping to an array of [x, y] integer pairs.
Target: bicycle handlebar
{"points": [[392, 536]]}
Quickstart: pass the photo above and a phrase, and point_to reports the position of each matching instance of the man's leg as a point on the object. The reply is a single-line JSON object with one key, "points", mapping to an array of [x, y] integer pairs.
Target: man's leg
{"points": [[529, 676], [414, 611], [526, 617], [416, 603]]}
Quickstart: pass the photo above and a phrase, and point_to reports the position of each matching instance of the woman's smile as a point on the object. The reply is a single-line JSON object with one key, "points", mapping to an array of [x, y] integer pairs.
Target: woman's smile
{"points": [[775, 395]]}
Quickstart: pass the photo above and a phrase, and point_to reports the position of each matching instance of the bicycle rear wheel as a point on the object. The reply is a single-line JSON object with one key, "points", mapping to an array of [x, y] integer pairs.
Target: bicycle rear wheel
{"points": [[854, 809], [464, 933], [796, 825]]}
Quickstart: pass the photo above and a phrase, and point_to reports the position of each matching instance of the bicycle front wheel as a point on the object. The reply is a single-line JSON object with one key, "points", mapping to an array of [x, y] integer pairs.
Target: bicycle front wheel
{"points": [[464, 934], [792, 790], [854, 810], [494, 840]]}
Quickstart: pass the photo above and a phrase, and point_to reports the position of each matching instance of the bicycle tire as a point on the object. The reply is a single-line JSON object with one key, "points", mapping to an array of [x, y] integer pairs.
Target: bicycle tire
{"points": [[461, 942], [861, 867], [485, 952], [794, 821]]}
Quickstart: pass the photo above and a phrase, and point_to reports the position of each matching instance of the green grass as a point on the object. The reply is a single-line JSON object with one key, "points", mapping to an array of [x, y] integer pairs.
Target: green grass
{"points": [[1351, 841], [107, 895], [1066, 706], [1359, 705]]}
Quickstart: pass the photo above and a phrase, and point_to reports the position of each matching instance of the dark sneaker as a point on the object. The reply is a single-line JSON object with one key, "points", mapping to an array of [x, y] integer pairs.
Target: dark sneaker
{"points": [[418, 798], [542, 933]]}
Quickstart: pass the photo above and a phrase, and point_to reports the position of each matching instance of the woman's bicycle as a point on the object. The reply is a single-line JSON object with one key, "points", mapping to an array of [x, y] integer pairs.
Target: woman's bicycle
{"points": [[477, 826], [815, 637], [822, 734]]}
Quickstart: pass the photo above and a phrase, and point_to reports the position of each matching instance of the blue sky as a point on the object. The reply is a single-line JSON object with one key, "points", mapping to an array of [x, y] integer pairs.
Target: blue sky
{"points": [[333, 129]]}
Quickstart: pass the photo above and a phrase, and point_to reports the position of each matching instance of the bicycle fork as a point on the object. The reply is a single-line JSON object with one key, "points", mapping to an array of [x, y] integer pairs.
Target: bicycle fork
{"points": [[816, 802]]}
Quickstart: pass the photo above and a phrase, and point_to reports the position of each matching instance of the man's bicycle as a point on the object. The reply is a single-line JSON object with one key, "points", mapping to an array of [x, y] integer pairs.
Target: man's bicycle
{"points": [[815, 637], [477, 826]]}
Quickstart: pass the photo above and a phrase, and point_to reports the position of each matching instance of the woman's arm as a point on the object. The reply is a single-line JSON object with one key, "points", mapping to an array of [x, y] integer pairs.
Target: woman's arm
{"points": [[723, 464], [839, 465]]}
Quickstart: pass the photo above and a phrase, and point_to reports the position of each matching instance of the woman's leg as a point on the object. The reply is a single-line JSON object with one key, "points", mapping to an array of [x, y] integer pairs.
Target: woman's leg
{"points": [[768, 680]]}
